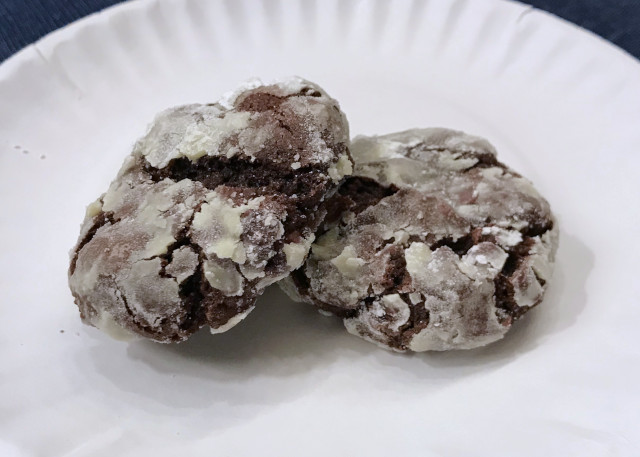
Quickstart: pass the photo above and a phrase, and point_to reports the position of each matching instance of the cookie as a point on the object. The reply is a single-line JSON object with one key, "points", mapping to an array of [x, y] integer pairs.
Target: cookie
{"points": [[215, 203], [432, 244]]}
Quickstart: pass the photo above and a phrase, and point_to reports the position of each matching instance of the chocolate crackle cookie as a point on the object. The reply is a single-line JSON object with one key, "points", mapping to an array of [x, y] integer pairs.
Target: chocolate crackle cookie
{"points": [[215, 203], [432, 244]]}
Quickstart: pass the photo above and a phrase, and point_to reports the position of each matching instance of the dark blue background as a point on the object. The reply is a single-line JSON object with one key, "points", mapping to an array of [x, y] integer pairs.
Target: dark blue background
{"points": [[24, 21]]}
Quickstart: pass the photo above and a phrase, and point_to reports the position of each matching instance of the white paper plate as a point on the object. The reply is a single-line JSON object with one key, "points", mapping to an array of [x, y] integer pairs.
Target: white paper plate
{"points": [[562, 106]]}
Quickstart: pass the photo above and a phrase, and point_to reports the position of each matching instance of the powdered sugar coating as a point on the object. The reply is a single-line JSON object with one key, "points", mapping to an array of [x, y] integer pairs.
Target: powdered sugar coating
{"points": [[436, 245], [208, 210], [238, 126]]}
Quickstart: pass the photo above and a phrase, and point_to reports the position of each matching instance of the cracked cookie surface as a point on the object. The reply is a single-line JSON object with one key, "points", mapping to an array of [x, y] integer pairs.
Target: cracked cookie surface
{"points": [[432, 244], [215, 203]]}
